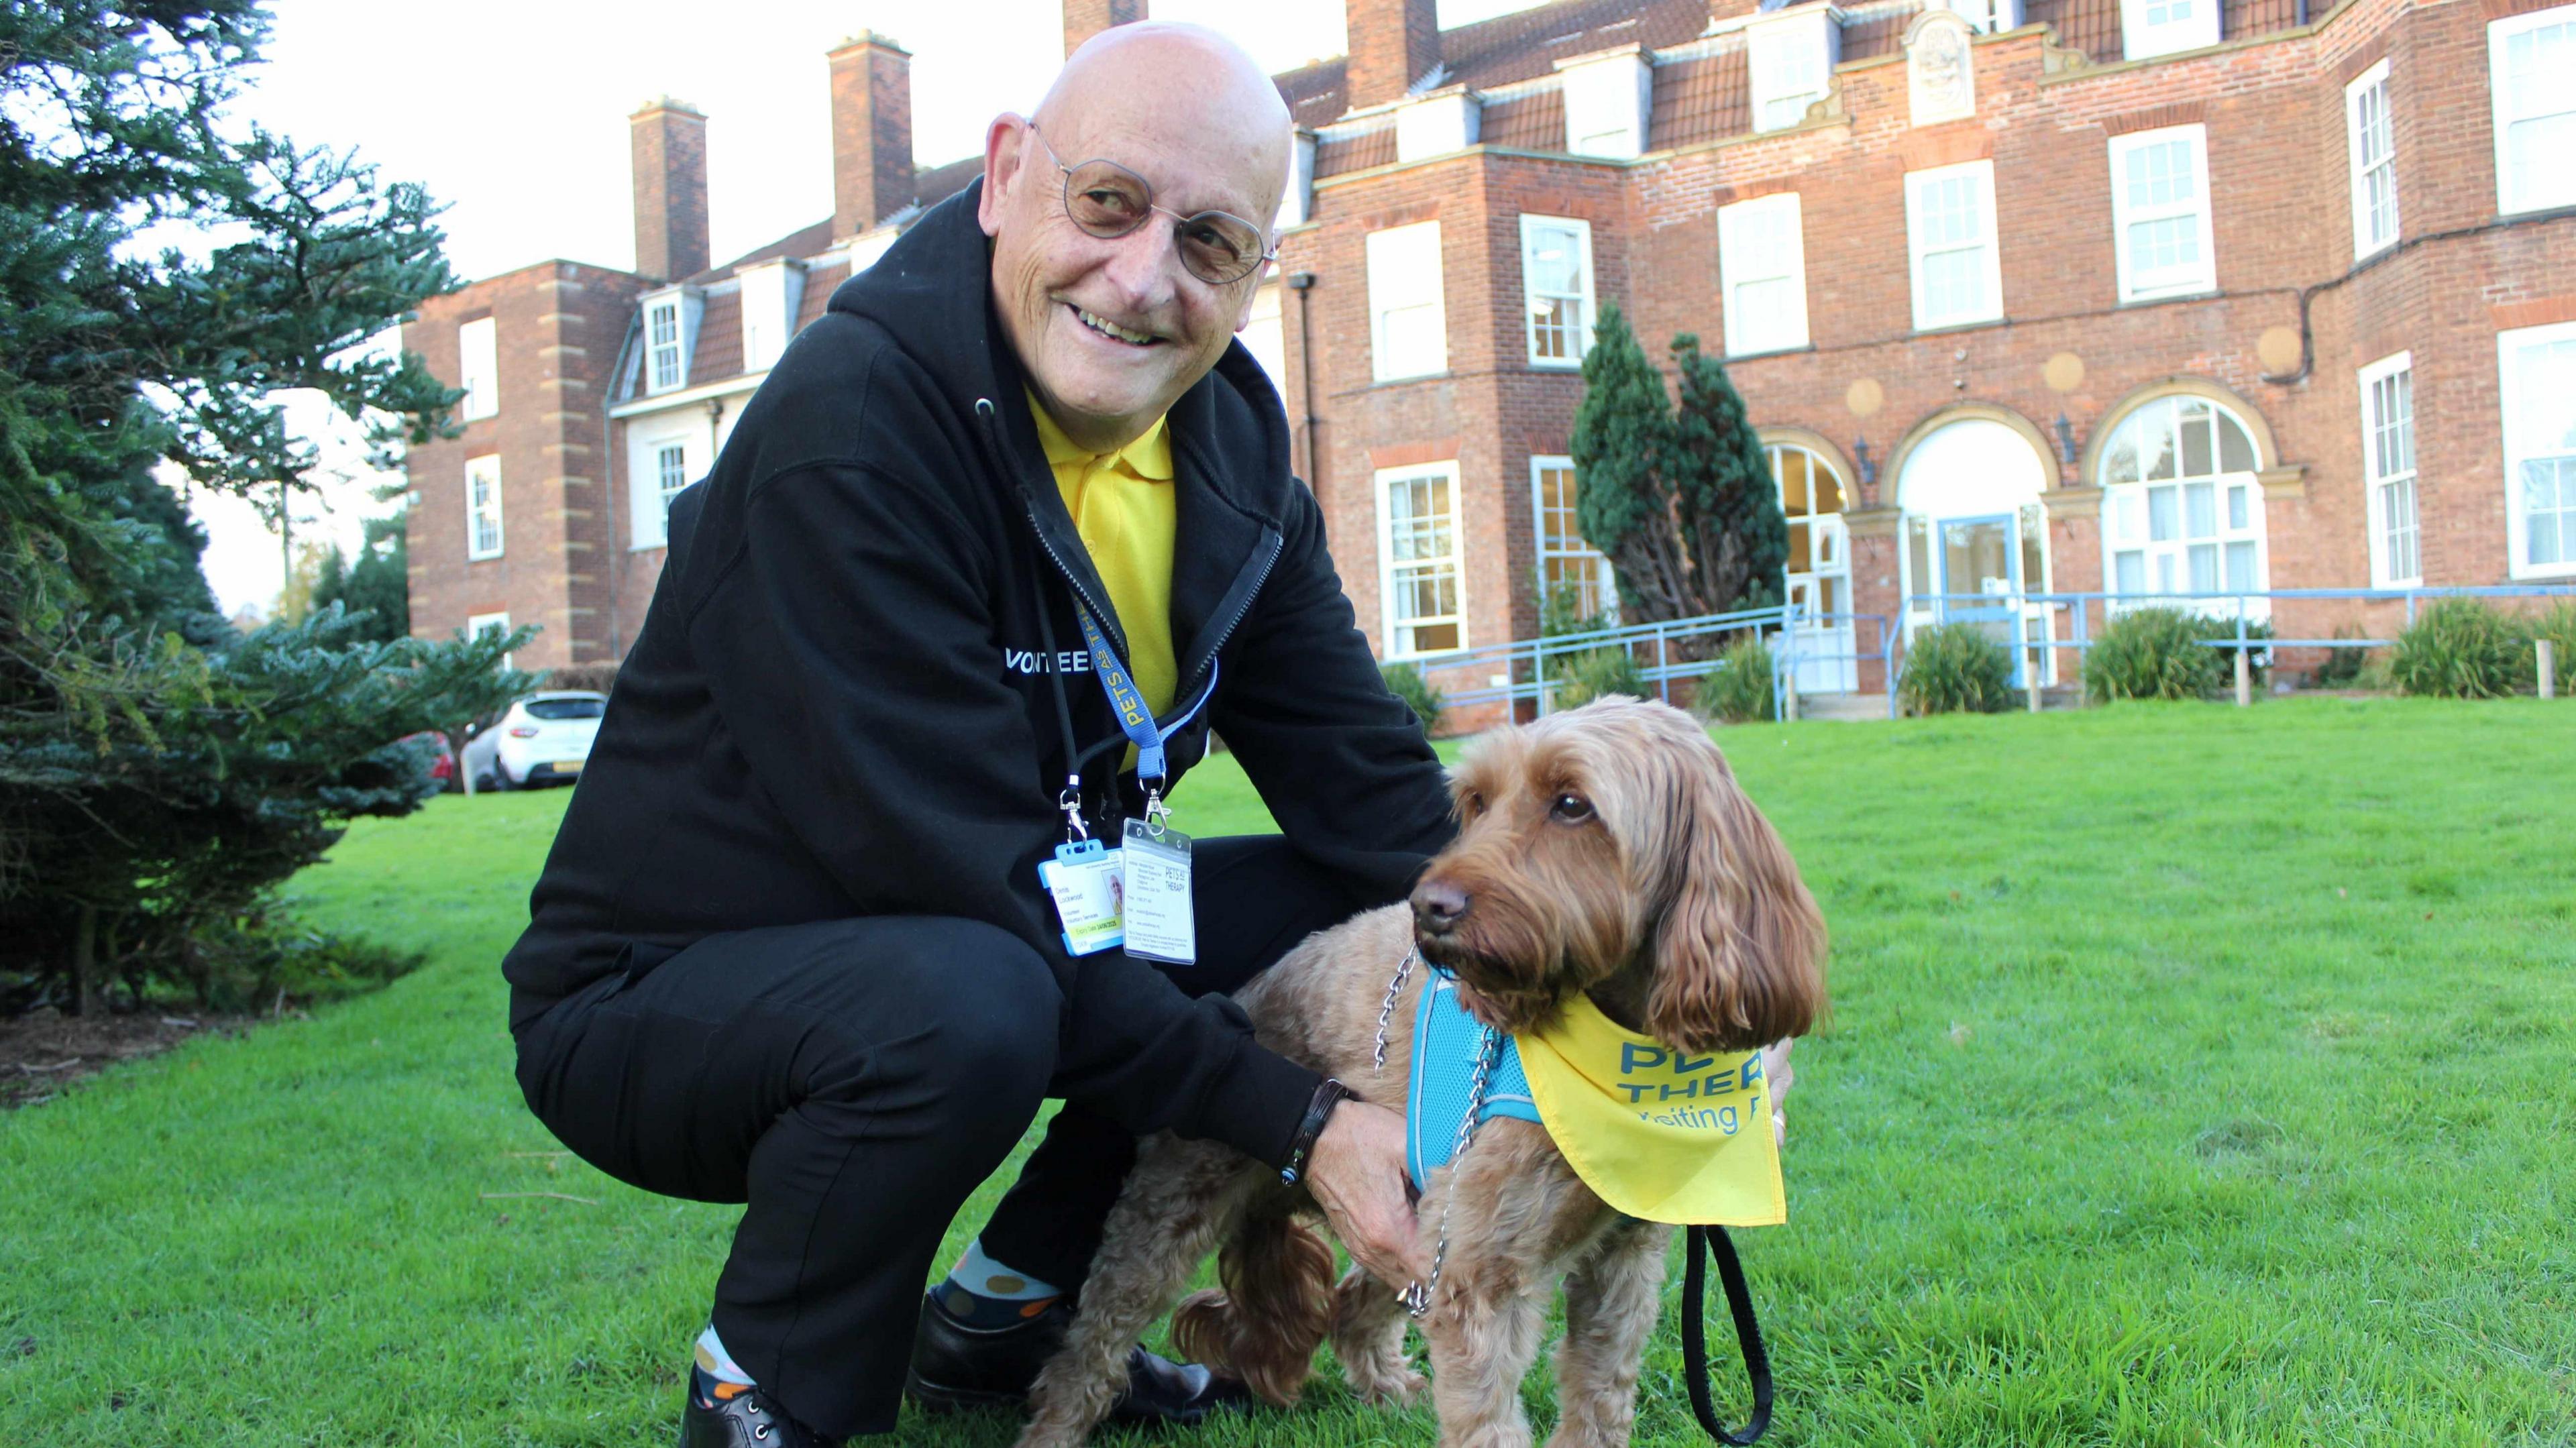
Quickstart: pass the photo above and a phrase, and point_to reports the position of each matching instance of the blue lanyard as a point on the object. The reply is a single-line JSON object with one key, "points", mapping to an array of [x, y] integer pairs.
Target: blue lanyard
{"points": [[1129, 705]]}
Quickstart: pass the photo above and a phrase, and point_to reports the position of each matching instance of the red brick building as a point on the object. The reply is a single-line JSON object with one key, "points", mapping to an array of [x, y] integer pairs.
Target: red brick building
{"points": [[2129, 295]]}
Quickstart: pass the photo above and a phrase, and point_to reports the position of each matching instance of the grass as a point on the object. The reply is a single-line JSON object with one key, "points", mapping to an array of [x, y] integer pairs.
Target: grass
{"points": [[2197, 1076]]}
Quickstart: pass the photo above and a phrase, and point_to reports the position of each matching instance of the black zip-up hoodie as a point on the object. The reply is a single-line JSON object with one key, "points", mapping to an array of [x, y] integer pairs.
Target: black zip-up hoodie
{"points": [[839, 704]]}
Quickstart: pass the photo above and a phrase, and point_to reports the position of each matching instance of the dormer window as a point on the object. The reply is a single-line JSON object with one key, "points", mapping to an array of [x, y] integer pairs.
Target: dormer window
{"points": [[1437, 124], [666, 357], [1987, 17], [1608, 100], [2162, 27], [771, 292], [1790, 61]]}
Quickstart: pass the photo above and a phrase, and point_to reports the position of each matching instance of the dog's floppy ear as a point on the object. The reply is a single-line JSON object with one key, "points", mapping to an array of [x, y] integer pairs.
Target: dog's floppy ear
{"points": [[1739, 952]]}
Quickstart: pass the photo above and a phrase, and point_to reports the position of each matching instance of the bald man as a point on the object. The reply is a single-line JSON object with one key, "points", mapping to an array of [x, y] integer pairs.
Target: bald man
{"points": [[792, 947]]}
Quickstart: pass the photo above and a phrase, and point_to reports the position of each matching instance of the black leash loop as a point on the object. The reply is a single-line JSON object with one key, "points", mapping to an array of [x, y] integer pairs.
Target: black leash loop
{"points": [[1748, 1335]]}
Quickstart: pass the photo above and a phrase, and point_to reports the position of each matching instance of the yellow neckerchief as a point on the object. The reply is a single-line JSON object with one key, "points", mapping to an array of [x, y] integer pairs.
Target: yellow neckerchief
{"points": [[1123, 506], [1658, 1134]]}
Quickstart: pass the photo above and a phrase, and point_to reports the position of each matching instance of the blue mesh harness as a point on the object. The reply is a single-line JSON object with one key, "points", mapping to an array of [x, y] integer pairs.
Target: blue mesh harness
{"points": [[1445, 1042]]}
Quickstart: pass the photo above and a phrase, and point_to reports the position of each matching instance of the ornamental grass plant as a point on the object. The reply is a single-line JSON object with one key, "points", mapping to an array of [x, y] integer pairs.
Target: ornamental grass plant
{"points": [[2558, 626], [2155, 653], [1954, 668], [2461, 649], [1737, 687]]}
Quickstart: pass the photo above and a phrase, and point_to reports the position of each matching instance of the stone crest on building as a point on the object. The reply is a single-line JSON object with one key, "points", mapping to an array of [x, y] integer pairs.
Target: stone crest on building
{"points": [[1940, 68]]}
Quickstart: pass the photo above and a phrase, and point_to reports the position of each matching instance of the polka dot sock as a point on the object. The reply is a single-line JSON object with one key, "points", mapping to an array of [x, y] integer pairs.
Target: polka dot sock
{"points": [[983, 1293]]}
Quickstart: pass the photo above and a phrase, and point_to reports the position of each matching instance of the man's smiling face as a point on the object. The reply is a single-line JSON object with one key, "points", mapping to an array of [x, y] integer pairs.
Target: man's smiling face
{"points": [[1112, 330]]}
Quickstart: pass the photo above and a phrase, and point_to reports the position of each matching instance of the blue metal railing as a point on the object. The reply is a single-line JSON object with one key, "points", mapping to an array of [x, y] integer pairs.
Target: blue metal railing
{"points": [[2023, 608], [1521, 672]]}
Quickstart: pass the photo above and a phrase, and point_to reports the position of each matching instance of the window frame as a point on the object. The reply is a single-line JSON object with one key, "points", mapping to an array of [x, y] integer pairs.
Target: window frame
{"points": [[1916, 254], [2377, 480], [488, 464], [2519, 448], [1383, 257], [478, 368], [2222, 481], [1581, 231], [2518, 199], [1731, 220], [676, 348], [2366, 240], [1384, 478], [2142, 39], [2202, 279], [1604, 584]]}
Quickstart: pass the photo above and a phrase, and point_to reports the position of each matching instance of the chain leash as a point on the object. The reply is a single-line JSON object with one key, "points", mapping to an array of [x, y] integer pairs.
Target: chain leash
{"points": [[1417, 1295], [1386, 1008]]}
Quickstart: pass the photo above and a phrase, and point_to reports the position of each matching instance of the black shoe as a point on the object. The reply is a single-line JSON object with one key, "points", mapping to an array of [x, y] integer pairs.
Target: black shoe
{"points": [[958, 1366], [748, 1418]]}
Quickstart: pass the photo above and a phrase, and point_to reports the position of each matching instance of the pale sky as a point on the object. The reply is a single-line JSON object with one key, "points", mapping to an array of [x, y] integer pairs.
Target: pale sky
{"points": [[513, 113]]}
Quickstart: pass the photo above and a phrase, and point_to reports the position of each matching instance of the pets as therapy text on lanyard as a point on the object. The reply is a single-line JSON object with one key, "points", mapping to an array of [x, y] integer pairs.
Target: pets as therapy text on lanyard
{"points": [[1137, 895]]}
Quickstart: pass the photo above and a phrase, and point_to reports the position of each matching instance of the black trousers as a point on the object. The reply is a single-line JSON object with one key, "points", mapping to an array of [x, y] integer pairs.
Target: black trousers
{"points": [[851, 1082]]}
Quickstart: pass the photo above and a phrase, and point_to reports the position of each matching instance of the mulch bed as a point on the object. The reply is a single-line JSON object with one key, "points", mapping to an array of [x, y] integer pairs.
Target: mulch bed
{"points": [[44, 1051]]}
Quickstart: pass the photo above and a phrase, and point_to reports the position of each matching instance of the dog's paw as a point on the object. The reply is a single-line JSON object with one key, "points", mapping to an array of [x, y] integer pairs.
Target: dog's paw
{"points": [[1392, 1382]]}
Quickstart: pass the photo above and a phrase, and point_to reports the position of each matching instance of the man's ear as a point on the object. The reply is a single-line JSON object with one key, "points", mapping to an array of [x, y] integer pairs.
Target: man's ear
{"points": [[1004, 141]]}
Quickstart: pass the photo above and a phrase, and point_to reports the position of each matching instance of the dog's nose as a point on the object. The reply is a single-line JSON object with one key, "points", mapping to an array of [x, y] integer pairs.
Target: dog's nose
{"points": [[1438, 905]]}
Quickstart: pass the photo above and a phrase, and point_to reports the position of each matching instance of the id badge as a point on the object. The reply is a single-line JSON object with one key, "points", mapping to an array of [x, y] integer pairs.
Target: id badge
{"points": [[1084, 879], [1157, 870]]}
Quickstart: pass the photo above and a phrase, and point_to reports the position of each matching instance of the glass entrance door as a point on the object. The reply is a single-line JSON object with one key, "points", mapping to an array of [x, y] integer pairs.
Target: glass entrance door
{"points": [[1981, 576]]}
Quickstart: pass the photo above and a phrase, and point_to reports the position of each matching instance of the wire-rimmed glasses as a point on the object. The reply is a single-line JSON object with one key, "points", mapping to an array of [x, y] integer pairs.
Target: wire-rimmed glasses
{"points": [[1107, 200]]}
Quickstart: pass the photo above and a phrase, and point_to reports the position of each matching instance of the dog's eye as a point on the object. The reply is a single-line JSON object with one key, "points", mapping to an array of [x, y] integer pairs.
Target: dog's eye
{"points": [[1571, 808], [1471, 804]]}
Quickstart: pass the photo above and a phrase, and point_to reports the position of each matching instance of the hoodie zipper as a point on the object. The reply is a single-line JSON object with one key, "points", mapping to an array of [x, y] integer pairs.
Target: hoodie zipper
{"points": [[991, 418]]}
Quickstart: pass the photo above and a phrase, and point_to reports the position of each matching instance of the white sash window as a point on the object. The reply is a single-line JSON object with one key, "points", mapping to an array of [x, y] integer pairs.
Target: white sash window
{"points": [[1763, 258]]}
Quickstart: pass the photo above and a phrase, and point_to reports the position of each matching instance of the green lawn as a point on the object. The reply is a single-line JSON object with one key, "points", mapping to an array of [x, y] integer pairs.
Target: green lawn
{"points": [[2196, 1075]]}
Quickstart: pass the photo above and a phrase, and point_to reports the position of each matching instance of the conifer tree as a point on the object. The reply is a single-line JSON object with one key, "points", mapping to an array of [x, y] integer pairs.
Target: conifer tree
{"points": [[1683, 505], [157, 774]]}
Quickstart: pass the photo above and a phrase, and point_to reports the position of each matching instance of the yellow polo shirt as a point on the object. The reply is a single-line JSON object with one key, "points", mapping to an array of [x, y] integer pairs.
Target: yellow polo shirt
{"points": [[1122, 505]]}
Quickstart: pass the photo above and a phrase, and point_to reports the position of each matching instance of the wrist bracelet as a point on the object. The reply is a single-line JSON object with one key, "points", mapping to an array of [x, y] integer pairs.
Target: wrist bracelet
{"points": [[1319, 1109]]}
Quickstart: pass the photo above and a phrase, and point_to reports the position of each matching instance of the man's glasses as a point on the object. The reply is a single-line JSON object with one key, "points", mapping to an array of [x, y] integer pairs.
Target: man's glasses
{"points": [[1109, 201]]}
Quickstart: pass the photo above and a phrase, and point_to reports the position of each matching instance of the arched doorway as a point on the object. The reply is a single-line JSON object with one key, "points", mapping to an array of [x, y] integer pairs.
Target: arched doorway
{"points": [[1817, 585], [2182, 513], [1976, 536]]}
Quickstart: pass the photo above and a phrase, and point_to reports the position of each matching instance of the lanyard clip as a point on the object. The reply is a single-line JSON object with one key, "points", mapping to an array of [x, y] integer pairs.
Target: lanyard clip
{"points": [[1158, 815], [1071, 803]]}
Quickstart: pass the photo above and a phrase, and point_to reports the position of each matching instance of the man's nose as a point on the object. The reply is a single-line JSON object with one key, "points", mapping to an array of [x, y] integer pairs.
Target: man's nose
{"points": [[1142, 264], [1438, 906]]}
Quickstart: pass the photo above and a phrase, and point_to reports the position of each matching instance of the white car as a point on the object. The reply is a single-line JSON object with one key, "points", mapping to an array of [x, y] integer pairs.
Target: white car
{"points": [[541, 739]]}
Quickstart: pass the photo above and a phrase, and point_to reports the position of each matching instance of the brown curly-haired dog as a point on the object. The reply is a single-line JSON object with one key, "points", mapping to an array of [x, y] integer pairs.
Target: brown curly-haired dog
{"points": [[1605, 850]]}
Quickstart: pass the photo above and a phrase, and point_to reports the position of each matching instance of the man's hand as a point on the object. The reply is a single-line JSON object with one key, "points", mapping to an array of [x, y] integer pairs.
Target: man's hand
{"points": [[1357, 1177], [1775, 1069]]}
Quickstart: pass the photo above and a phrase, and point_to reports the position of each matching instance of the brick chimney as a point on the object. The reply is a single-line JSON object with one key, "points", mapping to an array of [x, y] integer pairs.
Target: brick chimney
{"points": [[1084, 19], [670, 156], [872, 171], [1392, 42]]}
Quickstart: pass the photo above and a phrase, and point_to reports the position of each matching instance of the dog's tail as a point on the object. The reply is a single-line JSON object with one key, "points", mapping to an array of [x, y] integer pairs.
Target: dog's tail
{"points": [[1276, 1306]]}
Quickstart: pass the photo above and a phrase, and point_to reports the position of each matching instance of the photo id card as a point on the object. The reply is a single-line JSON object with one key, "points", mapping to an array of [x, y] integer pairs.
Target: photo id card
{"points": [[1159, 924], [1084, 879]]}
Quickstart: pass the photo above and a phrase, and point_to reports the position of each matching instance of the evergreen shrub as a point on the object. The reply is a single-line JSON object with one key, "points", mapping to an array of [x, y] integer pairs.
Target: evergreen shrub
{"points": [[2342, 667], [2156, 653], [2461, 649], [1405, 681], [1737, 688], [1584, 677], [1955, 668]]}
